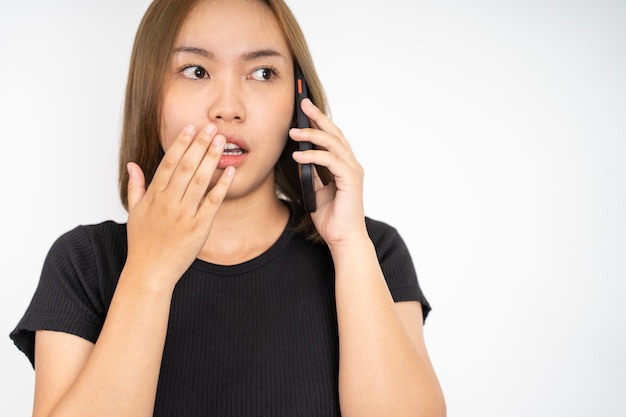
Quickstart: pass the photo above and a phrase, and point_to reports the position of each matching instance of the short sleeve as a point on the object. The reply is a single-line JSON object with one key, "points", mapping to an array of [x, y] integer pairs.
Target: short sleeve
{"points": [[67, 298], [397, 264]]}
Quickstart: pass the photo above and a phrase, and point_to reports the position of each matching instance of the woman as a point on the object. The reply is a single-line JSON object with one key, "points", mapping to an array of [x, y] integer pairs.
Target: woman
{"points": [[221, 296]]}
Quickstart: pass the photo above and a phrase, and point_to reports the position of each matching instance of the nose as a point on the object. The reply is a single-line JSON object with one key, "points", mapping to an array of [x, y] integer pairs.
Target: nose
{"points": [[227, 104]]}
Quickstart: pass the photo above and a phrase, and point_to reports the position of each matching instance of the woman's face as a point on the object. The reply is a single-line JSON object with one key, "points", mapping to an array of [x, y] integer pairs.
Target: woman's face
{"points": [[231, 66]]}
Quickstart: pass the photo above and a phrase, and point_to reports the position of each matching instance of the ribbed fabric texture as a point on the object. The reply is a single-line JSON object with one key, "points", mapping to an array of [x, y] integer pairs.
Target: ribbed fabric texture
{"points": [[255, 339]]}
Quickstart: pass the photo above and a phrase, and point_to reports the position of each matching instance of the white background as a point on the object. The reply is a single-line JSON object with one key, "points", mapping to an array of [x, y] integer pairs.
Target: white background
{"points": [[493, 134]]}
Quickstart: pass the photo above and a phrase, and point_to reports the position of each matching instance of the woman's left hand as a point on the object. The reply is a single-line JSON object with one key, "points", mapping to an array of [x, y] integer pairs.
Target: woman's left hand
{"points": [[339, 217]]}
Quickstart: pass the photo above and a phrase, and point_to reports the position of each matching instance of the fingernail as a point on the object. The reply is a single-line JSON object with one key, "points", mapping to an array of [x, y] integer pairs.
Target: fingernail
{"points": [[210, 129], [189, 130]]}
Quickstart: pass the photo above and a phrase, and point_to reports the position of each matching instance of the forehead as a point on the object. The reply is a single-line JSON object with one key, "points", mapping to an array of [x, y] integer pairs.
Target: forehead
{"points": [[232, 27]]}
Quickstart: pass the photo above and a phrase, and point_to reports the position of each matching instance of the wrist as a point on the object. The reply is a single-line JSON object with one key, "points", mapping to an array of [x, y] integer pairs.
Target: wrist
{"points": [[142, 281], [354, 245]]}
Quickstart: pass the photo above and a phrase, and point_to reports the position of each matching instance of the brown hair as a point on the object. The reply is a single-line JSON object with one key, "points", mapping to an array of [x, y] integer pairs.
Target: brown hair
{"points": [[151, 53]]}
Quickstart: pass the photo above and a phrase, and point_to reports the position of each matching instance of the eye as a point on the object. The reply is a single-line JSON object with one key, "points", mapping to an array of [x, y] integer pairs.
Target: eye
{"points": [[263, 74], [195, 72]]}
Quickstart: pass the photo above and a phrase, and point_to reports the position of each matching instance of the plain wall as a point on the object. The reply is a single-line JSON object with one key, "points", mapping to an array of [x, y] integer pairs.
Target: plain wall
{"points": [[493, 135]]}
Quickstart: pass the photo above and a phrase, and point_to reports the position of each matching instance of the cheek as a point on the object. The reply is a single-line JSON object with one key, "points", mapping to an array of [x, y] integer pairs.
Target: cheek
{"points": [[283, 114], [174, 118], [167, 129], [283, 121]]}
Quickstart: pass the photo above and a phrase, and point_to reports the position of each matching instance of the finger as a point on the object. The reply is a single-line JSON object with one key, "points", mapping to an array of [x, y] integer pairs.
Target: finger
{"points": [[216, 196], [317, 157], [201, 179], [323, 141], [339, 167], [172, 157], [320, 120], [186, 173], [136, 185]]}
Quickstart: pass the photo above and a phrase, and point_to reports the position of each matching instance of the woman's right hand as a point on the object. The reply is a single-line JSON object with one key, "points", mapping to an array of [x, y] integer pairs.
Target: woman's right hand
{"points": [[169, 222]]}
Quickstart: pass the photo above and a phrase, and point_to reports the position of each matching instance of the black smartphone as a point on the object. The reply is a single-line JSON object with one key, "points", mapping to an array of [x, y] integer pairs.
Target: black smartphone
{"points": [[306, 170]]}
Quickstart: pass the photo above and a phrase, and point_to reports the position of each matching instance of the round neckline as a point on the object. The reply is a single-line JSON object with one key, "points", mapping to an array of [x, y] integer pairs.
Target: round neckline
{"points": [[276, 248]]}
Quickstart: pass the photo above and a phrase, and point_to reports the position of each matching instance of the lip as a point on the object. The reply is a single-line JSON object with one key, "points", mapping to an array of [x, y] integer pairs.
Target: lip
{"points": [[233, 160]]}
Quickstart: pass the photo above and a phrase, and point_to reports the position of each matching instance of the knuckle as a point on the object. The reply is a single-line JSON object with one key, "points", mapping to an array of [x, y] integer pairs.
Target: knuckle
{"points": [[168, 162], [213, 198], [217, 193], [203, 140], [199, 179], [186, 166]]}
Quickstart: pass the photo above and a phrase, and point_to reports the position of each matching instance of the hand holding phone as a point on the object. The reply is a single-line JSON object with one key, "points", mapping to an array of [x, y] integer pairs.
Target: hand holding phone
{"points": [[306, 170]]}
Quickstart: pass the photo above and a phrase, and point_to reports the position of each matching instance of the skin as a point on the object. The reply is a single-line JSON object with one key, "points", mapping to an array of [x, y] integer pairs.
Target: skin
{"points": [[199, 206]]}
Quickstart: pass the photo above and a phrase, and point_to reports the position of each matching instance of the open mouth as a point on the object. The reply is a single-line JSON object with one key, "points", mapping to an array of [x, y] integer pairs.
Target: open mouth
{"points": [[232, 150]]}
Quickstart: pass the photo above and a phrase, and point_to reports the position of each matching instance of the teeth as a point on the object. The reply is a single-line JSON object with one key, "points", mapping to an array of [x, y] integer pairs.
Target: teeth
{"points": [[232, 149]]}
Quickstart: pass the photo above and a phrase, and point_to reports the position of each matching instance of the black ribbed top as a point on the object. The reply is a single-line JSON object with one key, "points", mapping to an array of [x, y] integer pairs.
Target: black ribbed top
{"points": [[254, 339]]}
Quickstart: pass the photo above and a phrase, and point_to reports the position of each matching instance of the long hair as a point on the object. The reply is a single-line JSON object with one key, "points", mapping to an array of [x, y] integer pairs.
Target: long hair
{"points": [[152, 49]]}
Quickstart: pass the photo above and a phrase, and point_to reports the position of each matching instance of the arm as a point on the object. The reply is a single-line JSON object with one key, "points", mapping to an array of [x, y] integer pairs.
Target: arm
{"points": [[168, 225], [384, 364], [384, 367], [118, 374]]}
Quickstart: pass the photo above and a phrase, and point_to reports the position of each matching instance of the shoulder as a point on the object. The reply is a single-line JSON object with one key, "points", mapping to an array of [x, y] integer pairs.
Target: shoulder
{"points": [[86, 262], [89, 248], [378, 228], [384, 236], [76, 284], [396, 263], [84, 237]]}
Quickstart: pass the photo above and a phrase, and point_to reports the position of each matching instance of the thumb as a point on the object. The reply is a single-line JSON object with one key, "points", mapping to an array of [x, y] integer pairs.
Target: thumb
{"points": [[136, 185]]}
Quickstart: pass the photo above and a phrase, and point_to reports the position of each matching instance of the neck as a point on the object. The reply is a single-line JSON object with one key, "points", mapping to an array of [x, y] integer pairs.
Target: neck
{"points": [[243, 230]]}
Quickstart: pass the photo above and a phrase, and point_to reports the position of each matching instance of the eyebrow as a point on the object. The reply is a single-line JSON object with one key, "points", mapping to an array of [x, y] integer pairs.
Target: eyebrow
{"points": [[247, 56], [194, 50]]}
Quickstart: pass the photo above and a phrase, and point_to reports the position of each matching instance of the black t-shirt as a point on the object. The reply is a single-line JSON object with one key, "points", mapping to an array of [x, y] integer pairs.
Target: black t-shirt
{"points": [[254, 339]]}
